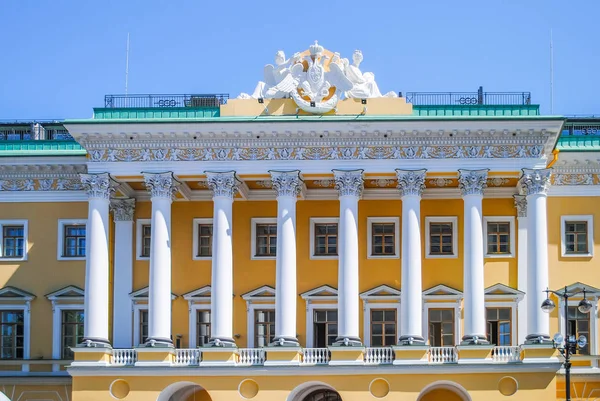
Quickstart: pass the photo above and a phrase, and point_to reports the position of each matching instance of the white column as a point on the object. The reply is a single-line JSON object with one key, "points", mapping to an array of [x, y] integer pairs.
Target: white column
{"points": [[224, 185], [350, 186], [123, 272], [411, 184], [99, 189], [472, 184], [162, 187], [521, 205], [535, 185], [288, 185]]}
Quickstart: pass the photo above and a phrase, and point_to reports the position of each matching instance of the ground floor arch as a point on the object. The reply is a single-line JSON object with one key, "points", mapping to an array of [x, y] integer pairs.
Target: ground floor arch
{"points": [[314, 391], [444, 391], [184, 391]]}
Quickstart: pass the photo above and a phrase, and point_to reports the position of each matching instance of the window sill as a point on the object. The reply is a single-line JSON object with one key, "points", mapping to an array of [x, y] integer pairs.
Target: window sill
{"points": [[202, 258], [324, 257], [68, 258], [9, 259], [452, 256], [142, 258], [577, 255], [499, 256], [258, 257], [383, 257]]}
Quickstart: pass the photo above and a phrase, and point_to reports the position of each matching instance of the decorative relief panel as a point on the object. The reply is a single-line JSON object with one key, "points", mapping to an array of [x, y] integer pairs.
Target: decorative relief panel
{"points": [[560, 179], [46, 184]]}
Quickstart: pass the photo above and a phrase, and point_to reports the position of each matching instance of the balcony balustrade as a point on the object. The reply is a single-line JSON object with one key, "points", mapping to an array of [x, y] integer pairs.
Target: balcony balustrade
{"points": [[187, 356], [379, 356], [251, 356], [316, 356], [443, 355], [506, 354], [124, 357]]}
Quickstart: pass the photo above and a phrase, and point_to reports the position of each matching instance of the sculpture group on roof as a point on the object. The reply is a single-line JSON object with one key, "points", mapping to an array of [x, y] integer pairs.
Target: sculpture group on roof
{"points": [[316, 81]]}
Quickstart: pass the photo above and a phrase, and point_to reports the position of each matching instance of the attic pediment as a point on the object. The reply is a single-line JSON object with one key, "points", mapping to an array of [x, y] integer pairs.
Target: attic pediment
{"points": [[265, 292], [503, 291], [70, 292], [381, 292], [442, 292], [324, 292], [199, 294], [142, 295], [578, 286], [15, 294]]}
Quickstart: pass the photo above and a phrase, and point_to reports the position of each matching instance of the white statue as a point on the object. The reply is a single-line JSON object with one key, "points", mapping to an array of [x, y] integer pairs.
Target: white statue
{"points": [[278, 82], [364, 85]]}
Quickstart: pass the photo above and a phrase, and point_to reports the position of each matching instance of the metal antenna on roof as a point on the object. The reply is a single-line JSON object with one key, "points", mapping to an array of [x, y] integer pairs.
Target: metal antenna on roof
{"points": [[551, 74], [127, 65]]}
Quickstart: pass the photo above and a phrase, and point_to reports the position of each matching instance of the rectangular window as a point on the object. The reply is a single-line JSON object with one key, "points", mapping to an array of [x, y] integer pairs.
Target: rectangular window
{"points": [[579, 325], [205, 238], [72, 331], [498, 238], [499, 326], [13, 241], [264, 327], [441, 327], [383, 239], [12, 335], [74, 240], [383, 327], [202, 327], [576, 237], [325, 327], [266, 239], [441, 238], [146, 240], [326, 238], [143, 326]]}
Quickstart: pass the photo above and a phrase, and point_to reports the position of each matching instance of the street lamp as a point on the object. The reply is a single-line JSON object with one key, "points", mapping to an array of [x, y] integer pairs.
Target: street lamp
{"points": [[567, 345]]}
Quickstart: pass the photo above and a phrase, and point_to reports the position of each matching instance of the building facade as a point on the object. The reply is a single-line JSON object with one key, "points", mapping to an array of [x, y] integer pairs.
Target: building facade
{"points": [[315, 240]]}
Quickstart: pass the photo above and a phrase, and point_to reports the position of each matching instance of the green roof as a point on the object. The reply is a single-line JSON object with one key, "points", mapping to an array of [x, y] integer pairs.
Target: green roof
{"points": [[41, 148], [478, 110], [155, 113], [578, 143]]}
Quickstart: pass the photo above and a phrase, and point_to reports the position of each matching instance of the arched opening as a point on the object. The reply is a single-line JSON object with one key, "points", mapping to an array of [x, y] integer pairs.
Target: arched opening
{"points": [[184, 391], [314, 391], [444, 391]]}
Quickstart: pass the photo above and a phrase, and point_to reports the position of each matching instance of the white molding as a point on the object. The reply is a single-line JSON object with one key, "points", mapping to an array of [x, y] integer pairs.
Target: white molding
{"points": [[250, 310], [310, 320], [20, 222], [589, 219], [195, 224], [313, 295], [442, 219], [427, 304], [45, 196], [367, 306], [139, 223], [193, 320], [499, 219], [137, 309], [61, 237], [255, 301], [26, 308], [574, 190], [322, 220], [396, 221], [254, 222], [513, 313], [447, 293], [57, 310]]}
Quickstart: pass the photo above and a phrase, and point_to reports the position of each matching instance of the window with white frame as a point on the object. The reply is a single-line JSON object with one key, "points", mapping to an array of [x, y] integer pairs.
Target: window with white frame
{"points": [[71, 239], [381, 306], [384, 327], [441, 315], [264, 238], [499, 236], [324, 238], [264, 327], [12, 334], [441, 327], [325, 327], [72, 322], [202, 238], [441, 237], [499, 325], [199, 318], [143, 239], [501, 303], [143, 329], [13, 240], [260, 307], [383, 237], [202, 327], [577, 236], [321, 316]]}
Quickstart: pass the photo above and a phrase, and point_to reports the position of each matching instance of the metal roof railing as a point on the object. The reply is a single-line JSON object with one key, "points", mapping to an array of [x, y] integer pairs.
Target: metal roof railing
{"points": [[165, 101], [468, 98]]}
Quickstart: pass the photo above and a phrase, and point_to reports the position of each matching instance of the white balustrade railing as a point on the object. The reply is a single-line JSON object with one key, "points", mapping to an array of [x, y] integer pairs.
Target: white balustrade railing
{"points": [[124, 357], [187, 356], [506, 354], [316, 356], [379, 355], [443, 355], [251, 356]]}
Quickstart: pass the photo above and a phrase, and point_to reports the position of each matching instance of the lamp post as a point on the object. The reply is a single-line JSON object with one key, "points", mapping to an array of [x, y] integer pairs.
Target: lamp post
{"points": [[567, 345]]}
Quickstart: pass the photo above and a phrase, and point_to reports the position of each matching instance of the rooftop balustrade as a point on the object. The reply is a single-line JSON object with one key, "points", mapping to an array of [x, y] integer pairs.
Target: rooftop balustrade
{"points": [[165, 101], [33, 130], [468, 98]]}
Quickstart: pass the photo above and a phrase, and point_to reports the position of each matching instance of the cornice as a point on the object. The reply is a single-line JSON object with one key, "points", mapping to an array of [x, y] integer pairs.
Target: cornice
{"points": [[42, 171]]}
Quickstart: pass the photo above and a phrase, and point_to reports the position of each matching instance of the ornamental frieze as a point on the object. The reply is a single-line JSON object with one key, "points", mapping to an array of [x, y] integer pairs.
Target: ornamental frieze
{"points": [[47, 184], [316, 153], [561, 179]]}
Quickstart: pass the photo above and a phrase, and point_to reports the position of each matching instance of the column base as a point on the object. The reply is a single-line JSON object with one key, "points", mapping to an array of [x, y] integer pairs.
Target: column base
{"points": [[538, 339], [474, 339], [347, 342], [347, 355], [409, 340], [416, 354], [157, 342], [91, 342], [219, 356], [284, 342], [91, 356], [474, 353], [221, 342], [539, 353], [283, 356], [155, 355]]}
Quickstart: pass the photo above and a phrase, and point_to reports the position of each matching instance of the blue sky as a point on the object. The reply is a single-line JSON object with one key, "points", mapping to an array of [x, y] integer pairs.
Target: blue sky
{"points": [[60, 57]]}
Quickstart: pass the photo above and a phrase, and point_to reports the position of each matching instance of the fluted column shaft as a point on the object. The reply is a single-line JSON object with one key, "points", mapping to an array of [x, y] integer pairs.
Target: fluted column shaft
{"points": [[521, 205], [287, 184], [99, 189], [162, 187], [411, 184], [472, 184], [224, 186], [350, 186], [535, 185]]}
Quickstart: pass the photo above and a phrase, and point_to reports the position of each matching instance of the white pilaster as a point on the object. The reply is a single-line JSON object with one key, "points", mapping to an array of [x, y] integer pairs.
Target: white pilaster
{"points": [[99, 189], [521, 205], [411, 184], [224, 185], [350, 186], [288, 185], [123, 276], [535, 184], [472, 183], [162, 187]]}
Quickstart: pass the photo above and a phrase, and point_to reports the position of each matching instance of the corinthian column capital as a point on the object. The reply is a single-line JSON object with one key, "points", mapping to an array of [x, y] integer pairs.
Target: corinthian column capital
{"points": [[222, 183], [521, 205], [472, 182], [286, 183], [161, 185], [349, 182], [411, 182], [122, 209], [535, 181], [98, 185]]}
